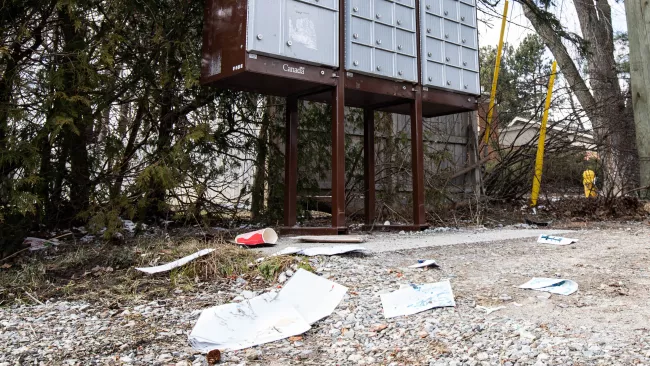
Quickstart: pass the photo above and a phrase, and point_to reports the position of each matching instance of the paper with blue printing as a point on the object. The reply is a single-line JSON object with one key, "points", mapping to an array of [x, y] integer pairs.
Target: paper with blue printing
{"points": [[413, 299], [328, 251], [552, 285], [304, 300], [555, 240]]}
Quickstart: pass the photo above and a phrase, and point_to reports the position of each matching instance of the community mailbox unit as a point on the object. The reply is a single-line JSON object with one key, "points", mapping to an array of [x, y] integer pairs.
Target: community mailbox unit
{"points": [[417, 57]]}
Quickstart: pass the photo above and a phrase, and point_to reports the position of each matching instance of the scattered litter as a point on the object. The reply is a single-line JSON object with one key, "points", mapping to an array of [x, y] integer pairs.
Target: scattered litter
{"points": [[379, 328], [489, 311], [259, 237], [552, 285], [304, 300], [129, 225], [387, 223], [555, 240], [175, 264], [423, 263], [413, 299], [40, 244], [332, 239], [539, 223], [333, 250], [214, 357]]}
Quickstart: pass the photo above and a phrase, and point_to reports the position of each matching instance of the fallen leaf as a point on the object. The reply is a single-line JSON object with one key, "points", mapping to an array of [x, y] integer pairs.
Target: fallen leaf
{"points": [[214, 357], [295, 339], [6, 266], [379, 328]]}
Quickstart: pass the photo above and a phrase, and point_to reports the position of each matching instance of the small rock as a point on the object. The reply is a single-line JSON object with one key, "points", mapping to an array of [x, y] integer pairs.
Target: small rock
{"points": [[253, 354], [282, 278], [248, 294], [482, 356], [289, 273], [355, 358], [305, 354]]}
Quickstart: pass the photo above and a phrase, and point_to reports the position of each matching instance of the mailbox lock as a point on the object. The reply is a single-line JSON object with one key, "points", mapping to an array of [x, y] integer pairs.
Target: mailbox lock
{"points": [[259, 36], [464, 40], [446, 35], [462, 18], [428, 30], [322, 72], [446, 12], [404, 88], [448, 59], [399, 47], [465, 86], [356, 63], [356, 36], [289, 43], [428, 7], [399, 22], [464, 63], [378, 68], [378, 16], [430, 78], [400, 74], [430, 54], [379, 41], [448, 82], [356, 10]]}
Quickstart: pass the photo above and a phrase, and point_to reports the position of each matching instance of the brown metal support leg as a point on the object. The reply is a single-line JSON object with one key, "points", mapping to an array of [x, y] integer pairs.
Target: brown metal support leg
{"points": [[417, 151], [338, 156], [369, 163], [291, 163]]}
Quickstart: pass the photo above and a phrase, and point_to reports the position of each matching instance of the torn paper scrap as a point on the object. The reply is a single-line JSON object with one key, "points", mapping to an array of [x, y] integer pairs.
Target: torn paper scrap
{"points": [[232, 327], [259, 237], [175, 264], [315, 251], [332, 239], [304, 300], [423, 263], [417, 298], [552, 285], [39, 244], [313, 296], [555, 240]]}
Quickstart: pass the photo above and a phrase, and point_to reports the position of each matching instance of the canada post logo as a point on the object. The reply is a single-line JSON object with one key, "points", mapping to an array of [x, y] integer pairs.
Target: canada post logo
{"points": [[293, 70]]}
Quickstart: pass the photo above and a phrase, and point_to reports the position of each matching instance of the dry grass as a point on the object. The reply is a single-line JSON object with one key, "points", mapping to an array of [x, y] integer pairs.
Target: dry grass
{"points": [[107, 272]]}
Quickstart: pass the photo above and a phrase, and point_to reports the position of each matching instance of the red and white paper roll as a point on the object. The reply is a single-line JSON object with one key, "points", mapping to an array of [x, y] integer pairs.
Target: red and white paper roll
{"points": [[259, 237]]}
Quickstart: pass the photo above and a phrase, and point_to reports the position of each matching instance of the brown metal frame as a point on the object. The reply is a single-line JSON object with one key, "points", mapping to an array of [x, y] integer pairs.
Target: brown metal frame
{"points": [[225, 39]]}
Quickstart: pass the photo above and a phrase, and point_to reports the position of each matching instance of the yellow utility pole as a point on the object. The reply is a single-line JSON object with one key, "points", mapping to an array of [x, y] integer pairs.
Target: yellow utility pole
{"points": [[539, 163], [495, 78]]}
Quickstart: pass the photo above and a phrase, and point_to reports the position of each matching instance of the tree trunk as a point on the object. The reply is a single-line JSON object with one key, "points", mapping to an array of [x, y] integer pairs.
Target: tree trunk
{"points": [[80, 115], [638, 25]]}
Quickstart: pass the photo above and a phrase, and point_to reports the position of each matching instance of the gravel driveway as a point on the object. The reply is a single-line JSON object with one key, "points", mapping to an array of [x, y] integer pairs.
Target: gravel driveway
{"points": [[605, 323]]}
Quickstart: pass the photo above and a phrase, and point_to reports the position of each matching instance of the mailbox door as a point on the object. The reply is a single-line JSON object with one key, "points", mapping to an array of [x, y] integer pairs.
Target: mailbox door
{"points": [[311, 33], [264, 33]]}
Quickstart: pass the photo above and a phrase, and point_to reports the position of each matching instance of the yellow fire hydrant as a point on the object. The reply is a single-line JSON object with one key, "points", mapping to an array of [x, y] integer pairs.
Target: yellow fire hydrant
{"points": [[589, 181]]}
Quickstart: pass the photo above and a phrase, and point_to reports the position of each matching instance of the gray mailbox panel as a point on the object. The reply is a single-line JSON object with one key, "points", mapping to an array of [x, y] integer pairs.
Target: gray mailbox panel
{"points": [[381, 39], [302, 30], [449, 42]]}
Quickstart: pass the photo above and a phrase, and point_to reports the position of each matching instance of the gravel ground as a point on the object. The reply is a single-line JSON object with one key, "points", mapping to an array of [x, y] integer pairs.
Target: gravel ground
{"points": [[604, 323]]}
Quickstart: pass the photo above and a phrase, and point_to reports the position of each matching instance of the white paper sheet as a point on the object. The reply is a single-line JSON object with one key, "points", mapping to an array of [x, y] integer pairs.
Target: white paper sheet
{"points": [[552, 285], [425, 263], [313, 296], [304, 300], [331, 250], [175, 264], [555, 240], [233, 327], [332, 239], [413, 299]]}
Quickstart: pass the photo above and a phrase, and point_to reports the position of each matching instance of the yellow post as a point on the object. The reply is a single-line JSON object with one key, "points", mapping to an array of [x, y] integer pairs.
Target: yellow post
{"points": [[539, 163], [495, 78]]}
